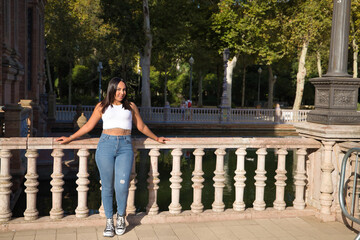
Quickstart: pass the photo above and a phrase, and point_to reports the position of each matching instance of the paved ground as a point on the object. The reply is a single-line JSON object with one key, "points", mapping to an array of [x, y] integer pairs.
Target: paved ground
{"points": [[307, 228]]}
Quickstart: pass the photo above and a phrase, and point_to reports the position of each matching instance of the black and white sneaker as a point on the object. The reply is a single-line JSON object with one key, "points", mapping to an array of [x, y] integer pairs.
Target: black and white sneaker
{"points": [[109, 229], [120, 225]]}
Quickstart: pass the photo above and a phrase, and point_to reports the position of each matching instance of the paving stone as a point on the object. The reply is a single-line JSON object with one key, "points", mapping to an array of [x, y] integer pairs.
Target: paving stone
{"points": [[69, 236]]}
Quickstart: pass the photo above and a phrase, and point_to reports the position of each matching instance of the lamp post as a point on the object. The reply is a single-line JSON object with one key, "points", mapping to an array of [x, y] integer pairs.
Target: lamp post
{"points": [[191, 61], [99, 68], [258, 95], [224, 98]]}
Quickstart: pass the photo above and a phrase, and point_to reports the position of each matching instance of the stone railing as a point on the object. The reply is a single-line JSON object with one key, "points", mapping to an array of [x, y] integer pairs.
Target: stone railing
{"points": [[66, 113], [312, 180]]}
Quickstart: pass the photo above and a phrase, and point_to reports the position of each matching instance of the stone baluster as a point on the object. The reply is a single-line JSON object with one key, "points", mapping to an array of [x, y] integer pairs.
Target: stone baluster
{"points": [[152, 208], [300, 180], [259, 203], [5, 185], [197, 206], [57, 182], [326, 187], [82, 182], [101, 208], [239, 204], [219, 179], [31, 213], [279, 203], [175, 180], [131, 209]]}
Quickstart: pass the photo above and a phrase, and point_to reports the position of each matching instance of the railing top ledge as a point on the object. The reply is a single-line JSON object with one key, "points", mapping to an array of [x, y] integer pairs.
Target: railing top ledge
{"points": [[13, 143], [228, 142], [181, 142]]}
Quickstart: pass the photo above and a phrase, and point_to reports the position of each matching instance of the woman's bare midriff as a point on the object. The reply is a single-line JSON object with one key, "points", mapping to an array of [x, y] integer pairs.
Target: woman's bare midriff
{"points": [[117, 131]]}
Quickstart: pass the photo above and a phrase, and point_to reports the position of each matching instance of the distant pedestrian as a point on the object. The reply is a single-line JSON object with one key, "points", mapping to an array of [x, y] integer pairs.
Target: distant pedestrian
{"points": [[114, 154]]}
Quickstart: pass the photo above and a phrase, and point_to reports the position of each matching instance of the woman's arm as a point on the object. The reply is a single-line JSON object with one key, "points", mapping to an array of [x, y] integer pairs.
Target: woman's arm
{"points": [[141, 126], [94, 119]]}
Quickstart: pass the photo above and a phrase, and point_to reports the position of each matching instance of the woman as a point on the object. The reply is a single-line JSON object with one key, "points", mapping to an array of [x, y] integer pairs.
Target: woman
{"points": [[114, 154]]}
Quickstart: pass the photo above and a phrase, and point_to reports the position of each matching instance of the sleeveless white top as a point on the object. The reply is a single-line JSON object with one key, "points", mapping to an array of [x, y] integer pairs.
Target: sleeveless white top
{"points": [[116, 116]]}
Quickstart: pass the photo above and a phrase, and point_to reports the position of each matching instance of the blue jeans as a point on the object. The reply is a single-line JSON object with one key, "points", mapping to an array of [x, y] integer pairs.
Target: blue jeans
{"points": [[114, 159]]}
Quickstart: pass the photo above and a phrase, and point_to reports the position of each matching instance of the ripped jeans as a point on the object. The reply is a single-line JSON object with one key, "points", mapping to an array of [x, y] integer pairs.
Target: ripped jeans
{"points": [[114, 158]]}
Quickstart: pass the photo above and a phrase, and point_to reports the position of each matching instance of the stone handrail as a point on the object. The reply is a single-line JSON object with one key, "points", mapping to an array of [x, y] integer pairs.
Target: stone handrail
{"points": [[66, 113], [301, 146]]}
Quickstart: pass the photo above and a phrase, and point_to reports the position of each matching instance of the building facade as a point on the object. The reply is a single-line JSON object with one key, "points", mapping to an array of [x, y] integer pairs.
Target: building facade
{"points": [[22, 67]]}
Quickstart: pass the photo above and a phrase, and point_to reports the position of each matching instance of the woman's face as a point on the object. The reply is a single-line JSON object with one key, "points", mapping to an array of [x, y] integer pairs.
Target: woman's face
{"points": [[120, 92]]}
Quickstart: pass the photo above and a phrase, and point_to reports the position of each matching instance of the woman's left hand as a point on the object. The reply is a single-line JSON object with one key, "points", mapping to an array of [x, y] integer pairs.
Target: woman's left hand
{"points": [[162, 139]]}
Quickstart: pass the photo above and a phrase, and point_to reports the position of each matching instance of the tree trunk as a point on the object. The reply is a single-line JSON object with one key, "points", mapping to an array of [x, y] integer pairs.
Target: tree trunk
{"points": [[243, 87], [200, 100], [300, 77], [318, 60], [355, 58], [272, 81], [229, 74], [146, 58]]}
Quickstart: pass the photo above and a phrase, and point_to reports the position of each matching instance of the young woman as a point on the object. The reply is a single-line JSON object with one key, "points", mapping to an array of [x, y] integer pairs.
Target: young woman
{"points": [[114, 154]]}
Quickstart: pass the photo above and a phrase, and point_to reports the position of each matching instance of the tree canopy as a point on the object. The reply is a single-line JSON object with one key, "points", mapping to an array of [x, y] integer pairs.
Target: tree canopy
{"points": [[286, 38]]}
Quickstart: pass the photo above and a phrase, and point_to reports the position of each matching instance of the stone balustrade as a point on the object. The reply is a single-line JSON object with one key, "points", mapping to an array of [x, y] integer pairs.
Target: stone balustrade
{"points": [[313, 161], [66, 113]]}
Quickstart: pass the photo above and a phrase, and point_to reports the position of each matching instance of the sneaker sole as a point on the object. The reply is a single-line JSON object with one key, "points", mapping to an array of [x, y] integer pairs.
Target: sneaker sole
{"points": [[108, 234], [120, 232]]}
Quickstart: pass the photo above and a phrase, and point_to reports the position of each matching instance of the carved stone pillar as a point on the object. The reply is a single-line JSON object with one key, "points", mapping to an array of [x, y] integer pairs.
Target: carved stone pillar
{"points": [[197, 206], [279, 203], [239, 204], [5, 185], [130, 208], [31, 213], [219, 179], [57, 183], [152, 208], [259, 203], [300, 178], [326, 188], [82, 182], [175, 180]]}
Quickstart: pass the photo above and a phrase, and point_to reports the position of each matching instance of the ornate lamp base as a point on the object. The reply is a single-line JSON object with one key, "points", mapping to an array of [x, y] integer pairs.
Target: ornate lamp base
{"points": [[335, 101]]}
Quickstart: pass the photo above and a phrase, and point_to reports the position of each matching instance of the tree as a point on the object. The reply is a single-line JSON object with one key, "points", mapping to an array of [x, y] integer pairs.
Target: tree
{"points": [[307, 21], [66, 41]]}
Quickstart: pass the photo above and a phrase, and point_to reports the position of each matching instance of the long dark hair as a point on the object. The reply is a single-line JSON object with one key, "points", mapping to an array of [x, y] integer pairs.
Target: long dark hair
{"points": [[110, 95]]}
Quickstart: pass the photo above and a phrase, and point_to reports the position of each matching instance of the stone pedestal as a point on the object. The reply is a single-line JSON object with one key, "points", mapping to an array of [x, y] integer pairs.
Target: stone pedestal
{"points": [[335, 101]]}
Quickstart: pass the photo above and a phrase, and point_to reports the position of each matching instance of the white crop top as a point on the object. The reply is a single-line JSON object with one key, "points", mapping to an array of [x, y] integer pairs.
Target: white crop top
{"points": [[116, 116]]}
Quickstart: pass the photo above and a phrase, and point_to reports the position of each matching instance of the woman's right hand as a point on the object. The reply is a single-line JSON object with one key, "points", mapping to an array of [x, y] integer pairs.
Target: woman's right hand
{"points": [[64, 140]]}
